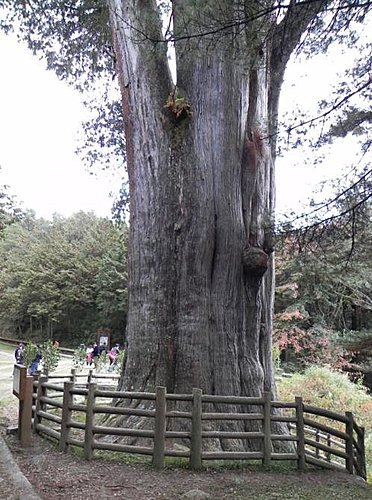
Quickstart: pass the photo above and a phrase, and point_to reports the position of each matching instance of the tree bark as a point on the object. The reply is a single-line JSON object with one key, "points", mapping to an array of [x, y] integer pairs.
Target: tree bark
{"points": [[201, 176]]}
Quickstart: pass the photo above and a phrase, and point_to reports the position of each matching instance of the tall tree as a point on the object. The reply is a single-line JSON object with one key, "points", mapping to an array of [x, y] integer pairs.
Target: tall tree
{"points": [[201, 173], [9, 210]]}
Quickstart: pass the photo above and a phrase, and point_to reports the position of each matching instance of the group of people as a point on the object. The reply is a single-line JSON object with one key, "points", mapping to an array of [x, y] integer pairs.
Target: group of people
{"points": [[94, 351], [19, 355]]}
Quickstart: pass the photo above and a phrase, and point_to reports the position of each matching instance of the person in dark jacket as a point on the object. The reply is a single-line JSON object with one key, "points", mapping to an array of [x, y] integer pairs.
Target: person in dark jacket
{"points": [[34, 366], [102, 349], [19, 354], [96, 352]]}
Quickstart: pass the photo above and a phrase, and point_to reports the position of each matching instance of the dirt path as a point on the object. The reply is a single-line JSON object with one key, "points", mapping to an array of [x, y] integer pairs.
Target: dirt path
{"points": [[56, 475], [64, 476], [6, 375]]}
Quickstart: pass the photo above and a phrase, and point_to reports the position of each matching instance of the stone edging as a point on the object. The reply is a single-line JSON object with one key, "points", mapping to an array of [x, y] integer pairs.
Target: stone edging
{"points": [[10, 466]]}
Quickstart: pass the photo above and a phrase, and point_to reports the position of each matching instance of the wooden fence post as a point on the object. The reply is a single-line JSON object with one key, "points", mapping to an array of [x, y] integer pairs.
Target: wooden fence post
{"points": [[25, 413], [34, 394], [66, 415], [196, 430], [329, 443], [73, 375], [267, 428], [361, 454], [317, 439], [349, 447], [300, 434], [90, 376], [159, 428], [41, 392], [89, 420]]}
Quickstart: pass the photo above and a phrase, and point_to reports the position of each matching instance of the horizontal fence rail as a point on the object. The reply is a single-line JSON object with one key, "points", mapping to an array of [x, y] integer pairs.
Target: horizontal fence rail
{"points": [[83, 410]]}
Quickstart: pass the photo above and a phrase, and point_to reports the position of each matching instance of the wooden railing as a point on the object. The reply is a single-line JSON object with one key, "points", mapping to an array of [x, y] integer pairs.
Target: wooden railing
{"points": [[75, 413]]}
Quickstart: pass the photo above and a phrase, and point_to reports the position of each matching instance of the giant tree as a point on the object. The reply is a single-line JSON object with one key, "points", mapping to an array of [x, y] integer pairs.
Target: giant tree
{"points": [[201, 172]]}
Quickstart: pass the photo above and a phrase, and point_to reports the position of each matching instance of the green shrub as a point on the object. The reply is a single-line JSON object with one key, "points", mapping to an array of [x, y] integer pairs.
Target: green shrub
{"points": [[29, 353], [79, 358], [120, 361], [101, 363], [323, 387], [51, 356]]}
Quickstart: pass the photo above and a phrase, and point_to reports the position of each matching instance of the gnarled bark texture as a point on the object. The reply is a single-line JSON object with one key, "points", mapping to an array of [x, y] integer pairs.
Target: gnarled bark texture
{"points": [[201, 174]]}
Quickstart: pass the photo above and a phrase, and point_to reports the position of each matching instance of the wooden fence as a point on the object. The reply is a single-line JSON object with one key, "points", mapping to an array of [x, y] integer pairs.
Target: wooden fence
{"points": [[75, 413]]}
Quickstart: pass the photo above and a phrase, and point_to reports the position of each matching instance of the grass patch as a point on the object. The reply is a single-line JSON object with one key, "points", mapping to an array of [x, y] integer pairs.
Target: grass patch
{"points": [[123, 458], [176, 463], [7, 348], [325, 388], [282, 467], [302, 492]]}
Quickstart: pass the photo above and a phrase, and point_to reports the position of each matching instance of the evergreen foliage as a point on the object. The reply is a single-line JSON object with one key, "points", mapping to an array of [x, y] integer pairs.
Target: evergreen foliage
{"points": [[9, 209], [323, 297], [50, 356], [63, 279]]}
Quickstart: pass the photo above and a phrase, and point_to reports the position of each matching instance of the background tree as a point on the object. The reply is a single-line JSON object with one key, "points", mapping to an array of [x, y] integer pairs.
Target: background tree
{"points": [[323, 305], [111, 282], [9, 208], [54, 280]]}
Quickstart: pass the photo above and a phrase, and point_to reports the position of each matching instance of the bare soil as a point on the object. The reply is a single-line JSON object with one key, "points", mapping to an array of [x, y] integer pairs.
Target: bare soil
{"points": [[56, 475]]}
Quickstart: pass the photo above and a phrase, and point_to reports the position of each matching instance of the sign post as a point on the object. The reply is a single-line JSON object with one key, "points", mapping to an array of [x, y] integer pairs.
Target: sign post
{"points": [[103, 339], [23, 390]]}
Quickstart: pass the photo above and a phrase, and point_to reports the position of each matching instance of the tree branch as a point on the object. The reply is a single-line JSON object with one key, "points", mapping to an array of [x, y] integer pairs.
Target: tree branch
{"points": [[288, 32], [336, 198], [338, 104], [305, 6]]}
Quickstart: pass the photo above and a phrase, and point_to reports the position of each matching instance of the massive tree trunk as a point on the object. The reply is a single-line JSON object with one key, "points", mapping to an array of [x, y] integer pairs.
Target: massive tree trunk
{"points": [[201, 173]]}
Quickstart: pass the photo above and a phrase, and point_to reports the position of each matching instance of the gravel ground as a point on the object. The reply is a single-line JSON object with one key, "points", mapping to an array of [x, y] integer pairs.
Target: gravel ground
{"points": [[55, 475]]}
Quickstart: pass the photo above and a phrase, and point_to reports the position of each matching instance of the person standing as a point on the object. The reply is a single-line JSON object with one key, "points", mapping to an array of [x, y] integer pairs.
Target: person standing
{"points": [[103, 349], [96, 352], [113, 354], [19, 354], [89, 355]]}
